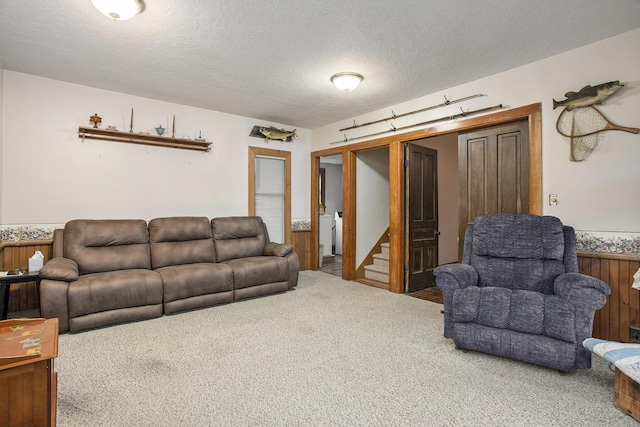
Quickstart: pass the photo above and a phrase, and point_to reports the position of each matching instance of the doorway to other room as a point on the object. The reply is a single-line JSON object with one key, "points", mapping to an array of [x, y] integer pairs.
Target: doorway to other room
{"points": [[330, 214]]}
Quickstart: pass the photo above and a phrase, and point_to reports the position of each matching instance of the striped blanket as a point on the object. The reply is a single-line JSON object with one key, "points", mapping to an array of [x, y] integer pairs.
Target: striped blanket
{"points": [[625, 357]]}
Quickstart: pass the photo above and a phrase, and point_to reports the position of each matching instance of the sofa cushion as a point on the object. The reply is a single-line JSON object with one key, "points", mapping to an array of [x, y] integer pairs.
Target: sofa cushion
{"points": [[180, 240], [518, 236], [238, 237], [114, 290], [107, 245], [517, 251], [185, 281], [259, 270], [520, 310]]}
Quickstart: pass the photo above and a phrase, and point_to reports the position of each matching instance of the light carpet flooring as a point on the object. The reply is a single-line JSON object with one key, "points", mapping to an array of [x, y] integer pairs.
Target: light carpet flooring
{"points": [[329, 353]]}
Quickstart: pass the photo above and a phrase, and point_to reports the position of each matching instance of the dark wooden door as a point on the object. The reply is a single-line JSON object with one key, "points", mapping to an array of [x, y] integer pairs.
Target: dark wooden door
{"points": [[494, 172], [422, 216]]}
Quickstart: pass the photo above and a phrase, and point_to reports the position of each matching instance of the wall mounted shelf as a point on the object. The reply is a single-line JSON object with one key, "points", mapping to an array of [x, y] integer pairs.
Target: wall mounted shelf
{"points": [[142, 138]]}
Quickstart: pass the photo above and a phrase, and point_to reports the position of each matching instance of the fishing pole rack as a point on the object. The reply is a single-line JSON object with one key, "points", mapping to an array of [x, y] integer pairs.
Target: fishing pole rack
{"points": [[394, 116]]}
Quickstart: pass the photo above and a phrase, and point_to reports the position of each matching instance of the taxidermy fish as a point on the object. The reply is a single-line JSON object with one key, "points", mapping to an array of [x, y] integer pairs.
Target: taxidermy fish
{"points": [[275, 133], [588, 95]]}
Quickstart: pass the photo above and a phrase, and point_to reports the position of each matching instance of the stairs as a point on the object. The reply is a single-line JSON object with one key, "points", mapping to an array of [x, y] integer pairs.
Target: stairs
{"points": [[379, 270]]}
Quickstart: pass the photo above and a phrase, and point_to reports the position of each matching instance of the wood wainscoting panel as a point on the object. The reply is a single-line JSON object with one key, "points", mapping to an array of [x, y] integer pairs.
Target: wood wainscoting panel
{"points": [[622, 309], [301, 241], [24, 296]]}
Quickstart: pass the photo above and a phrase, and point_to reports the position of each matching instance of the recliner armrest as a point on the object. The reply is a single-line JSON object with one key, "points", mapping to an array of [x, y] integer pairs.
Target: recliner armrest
{"points": [[581, 290], [63, 269], [277, 249], [455, 276]]}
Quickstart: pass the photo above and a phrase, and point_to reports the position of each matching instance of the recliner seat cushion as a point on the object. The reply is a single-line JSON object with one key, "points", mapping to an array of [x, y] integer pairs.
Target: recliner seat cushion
{"points": [[185, 281], [259, 270], [518, 310], [107, 245], [114, 290]]}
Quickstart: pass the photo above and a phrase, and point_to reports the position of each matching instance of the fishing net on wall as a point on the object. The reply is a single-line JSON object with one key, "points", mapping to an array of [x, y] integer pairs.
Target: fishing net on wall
{"points": [[582, 127]]}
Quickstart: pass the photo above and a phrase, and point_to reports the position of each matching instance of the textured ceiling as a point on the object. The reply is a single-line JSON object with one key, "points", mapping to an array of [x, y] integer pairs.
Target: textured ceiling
{"points": [[272, 59]]}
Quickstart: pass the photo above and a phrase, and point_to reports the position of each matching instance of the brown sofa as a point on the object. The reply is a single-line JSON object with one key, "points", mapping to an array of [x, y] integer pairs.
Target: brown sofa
{"points": [[111, 271]]}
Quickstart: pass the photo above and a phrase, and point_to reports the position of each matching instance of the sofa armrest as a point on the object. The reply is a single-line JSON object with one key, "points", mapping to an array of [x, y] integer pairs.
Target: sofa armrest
{"points": [[277, 249], [582, 291], [455, 276], [294, 269], [450, 278], [62, 269], [54, 297]]}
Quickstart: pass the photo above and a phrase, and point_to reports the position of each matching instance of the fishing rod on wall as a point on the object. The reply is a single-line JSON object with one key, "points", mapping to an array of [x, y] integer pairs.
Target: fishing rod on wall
{"points": [[397, 116], [395, 129]]}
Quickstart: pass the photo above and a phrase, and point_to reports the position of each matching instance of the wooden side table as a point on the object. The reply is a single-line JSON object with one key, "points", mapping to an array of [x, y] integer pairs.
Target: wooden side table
{"points": [[5, 285], [28, 382]]}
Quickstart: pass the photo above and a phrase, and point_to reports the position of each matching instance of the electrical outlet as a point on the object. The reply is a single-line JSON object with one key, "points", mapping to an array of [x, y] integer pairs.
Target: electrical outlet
{"points": [[553, 199], [634, 334]]}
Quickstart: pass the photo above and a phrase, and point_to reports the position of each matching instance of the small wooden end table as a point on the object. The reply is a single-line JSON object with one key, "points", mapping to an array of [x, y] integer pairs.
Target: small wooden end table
{"points": [[8, 280], [28, 381]]}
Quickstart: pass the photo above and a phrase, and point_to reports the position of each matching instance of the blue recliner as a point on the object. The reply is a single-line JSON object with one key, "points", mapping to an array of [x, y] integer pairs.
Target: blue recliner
{"points": [[518, 293]]}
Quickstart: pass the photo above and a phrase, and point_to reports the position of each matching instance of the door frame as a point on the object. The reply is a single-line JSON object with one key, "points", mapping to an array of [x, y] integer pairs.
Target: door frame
{"points": [[395, 142]]}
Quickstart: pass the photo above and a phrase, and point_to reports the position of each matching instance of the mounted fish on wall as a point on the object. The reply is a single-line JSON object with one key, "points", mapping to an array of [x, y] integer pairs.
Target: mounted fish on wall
{"points": [[273, 133], [581, 122], [588, 95]]}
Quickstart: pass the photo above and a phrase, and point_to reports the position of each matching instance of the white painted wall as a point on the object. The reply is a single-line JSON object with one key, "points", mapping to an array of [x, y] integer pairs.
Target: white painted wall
{"points": [[1, 137], [599, 194], [372, 199], [51, 176], [333, 193], [333, 187]]}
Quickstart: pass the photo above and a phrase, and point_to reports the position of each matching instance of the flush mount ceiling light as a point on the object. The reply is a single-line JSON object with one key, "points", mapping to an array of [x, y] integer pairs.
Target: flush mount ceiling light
{"points": [[346, 81], [118, 10]]}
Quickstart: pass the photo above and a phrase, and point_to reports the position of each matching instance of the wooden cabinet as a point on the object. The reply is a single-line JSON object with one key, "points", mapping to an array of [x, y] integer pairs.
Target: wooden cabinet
{"points": [[301, 241], [28, 382], [622, 309]]}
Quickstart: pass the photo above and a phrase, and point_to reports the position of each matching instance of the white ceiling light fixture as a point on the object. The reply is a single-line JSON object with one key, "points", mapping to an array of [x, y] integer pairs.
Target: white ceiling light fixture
{"points": [[119, 10], [346, 81]]}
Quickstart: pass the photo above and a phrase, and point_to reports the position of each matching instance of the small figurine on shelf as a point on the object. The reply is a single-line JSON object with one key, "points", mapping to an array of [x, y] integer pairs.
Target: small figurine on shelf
{"points": [[200, 138], [96, 120], [160, 130]]}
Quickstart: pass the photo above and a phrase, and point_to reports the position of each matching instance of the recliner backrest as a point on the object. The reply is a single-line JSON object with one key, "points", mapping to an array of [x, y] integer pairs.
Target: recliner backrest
{"points": [[517, 251], [107, 245], [239, 237], [180, 240]]}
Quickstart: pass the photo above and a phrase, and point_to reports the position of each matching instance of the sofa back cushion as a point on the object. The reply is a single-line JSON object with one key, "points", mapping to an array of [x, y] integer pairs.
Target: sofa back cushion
{"points": [[180, 240], [239, 237], [517, 251], [107, 245]]}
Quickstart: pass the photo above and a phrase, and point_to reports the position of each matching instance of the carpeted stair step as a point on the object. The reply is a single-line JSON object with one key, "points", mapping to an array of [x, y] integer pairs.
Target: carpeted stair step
{"points": [[376, 272], [381, 260], [385, 248]]}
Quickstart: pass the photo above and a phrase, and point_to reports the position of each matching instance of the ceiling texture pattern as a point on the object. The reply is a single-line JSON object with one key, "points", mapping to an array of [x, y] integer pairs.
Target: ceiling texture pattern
{"points": [[272, 59]]}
